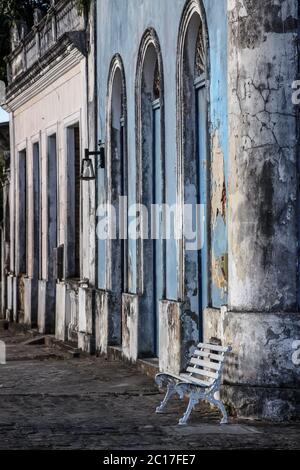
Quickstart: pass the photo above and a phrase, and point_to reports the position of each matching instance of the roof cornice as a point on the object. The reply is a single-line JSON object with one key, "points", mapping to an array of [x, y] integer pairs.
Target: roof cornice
{"points": [[61, 58]]}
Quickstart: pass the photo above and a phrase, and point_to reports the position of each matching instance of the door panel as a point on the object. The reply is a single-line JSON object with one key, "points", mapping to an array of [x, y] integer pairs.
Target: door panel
{"points": [[157, 199], [202, 192]]}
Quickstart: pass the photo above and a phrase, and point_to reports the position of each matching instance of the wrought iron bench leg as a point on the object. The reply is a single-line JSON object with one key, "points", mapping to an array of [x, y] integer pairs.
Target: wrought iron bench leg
{"points": [[170, 392], [194, 399], [221, 407]]}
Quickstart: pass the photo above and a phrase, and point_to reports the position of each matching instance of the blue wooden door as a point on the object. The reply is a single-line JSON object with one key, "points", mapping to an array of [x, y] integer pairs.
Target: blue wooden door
{"points": [[202, 164], [157, 199]]}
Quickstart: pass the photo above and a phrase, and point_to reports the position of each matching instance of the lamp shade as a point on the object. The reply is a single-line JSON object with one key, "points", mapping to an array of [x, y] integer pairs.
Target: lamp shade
{"points": [[87, 168]]}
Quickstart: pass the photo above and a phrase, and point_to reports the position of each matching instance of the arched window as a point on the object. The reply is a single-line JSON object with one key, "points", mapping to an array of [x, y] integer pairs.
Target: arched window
{"points": [[150, 187], [116, 262], [193, 160]]}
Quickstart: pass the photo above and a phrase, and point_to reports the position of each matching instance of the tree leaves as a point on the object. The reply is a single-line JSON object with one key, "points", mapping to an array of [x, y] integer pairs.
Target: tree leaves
{"points": [[11, 12], [82, 5]]}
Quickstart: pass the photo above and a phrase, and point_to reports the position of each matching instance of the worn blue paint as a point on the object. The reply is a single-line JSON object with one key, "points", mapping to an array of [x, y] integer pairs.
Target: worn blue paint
{"points": [[219, 247], [201, 114], [157, 199], [121, 24], [216, 13]]}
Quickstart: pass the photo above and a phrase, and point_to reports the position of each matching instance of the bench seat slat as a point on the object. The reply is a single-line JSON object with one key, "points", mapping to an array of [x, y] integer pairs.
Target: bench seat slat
{"points": [[212, 347], [189, 379], [215, 357], [202, 372], [209, 364]]}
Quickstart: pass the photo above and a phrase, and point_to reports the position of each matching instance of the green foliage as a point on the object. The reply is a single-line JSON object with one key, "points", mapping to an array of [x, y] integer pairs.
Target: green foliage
{"points": [[12, 11], [82, 6]]}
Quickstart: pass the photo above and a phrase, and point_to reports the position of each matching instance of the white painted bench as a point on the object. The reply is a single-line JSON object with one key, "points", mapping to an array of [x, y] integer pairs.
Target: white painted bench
{"points": [[201, 381]]}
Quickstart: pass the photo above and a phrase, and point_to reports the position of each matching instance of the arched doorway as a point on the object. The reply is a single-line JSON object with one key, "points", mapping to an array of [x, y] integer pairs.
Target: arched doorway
{"points": [[150, 189], [117, 265], [193, 161]]}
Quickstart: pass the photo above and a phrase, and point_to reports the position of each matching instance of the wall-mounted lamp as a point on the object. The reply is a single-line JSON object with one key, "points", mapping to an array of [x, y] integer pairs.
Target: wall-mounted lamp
{"points": [[87, 166]]}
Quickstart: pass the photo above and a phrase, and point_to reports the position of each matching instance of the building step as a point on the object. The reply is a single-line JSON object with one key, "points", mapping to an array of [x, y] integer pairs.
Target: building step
{"points": [[64, 346], [4, 325], [148, 366]]}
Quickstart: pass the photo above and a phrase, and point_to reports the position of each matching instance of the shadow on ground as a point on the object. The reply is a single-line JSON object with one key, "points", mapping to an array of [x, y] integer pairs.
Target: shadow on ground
{"points": [[50, 400]]}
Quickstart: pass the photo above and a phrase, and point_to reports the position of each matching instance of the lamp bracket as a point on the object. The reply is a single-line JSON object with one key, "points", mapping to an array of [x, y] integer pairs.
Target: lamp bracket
{"points": [[100, 153]]}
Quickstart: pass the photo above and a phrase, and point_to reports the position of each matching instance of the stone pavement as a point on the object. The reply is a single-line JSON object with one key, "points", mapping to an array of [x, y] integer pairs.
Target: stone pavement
{"points": [[49, 400]]}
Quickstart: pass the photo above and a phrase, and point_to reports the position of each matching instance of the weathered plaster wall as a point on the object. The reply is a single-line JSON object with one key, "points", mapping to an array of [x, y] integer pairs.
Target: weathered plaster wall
{"points": [[170, 333], [122, 34], [50, 112], [253, 186], [89, 190], [101, 321], [218, 127], [130, 322], [261, 379], [263, 165], [31, 302], [60, 102], [61, 312]]}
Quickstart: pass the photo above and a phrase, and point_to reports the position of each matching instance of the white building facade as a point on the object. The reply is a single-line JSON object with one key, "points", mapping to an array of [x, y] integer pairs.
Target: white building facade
{"points": [[47, 98]]}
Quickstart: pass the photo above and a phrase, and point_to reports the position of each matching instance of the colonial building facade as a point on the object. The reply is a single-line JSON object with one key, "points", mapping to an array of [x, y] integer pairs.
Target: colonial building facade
{"points": [[192, 101], [48, 97], [4, 210]]}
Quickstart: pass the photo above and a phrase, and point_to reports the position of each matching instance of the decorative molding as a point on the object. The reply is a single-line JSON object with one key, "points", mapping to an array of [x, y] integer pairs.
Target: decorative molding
{"points": [[42, 78], [200, 56], [27, 49]]}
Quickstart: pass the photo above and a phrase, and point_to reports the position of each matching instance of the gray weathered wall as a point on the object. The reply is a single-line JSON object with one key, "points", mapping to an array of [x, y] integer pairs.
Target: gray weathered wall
{"points": [[122, 34], [263, 214]]}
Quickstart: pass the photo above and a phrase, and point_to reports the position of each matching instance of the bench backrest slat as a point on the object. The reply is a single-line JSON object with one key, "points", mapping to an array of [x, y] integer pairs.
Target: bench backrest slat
{"points": [[208, 364], [205, 373], [205, 366], [212, 347], [197, 381], [205, 354]]}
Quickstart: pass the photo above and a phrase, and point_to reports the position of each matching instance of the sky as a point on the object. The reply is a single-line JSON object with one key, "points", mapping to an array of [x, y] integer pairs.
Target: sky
{"points": [[3, 115]]}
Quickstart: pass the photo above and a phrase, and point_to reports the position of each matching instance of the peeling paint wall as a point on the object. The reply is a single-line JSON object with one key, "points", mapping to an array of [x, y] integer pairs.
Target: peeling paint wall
{"points": [[130, 322], [260, 378], [170, 337], [263, 164], [101, 321], [252, 180], [219, 246], [262, 320], [218, 103], [122, 35]]}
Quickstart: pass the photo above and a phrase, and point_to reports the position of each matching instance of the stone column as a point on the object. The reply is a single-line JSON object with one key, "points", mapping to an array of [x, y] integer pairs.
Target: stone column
{"points": [[263, 215], [262, 322]]}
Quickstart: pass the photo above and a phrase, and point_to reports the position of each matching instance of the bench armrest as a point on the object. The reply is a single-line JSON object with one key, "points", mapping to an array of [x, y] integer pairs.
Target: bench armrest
{"points": [[165, 378]]}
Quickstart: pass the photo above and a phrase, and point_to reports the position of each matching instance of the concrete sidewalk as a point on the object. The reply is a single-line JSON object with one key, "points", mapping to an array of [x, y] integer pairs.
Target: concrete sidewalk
{"points": [[50, 400]]}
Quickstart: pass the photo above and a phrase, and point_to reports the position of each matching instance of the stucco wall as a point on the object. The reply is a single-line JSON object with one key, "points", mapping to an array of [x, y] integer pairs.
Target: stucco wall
{"points": [[50, 112], [122, 34], [263, 200]]}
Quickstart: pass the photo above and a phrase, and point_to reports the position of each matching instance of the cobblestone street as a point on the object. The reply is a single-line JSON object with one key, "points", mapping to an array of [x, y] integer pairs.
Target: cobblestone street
{"points": [[50, 400]]}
